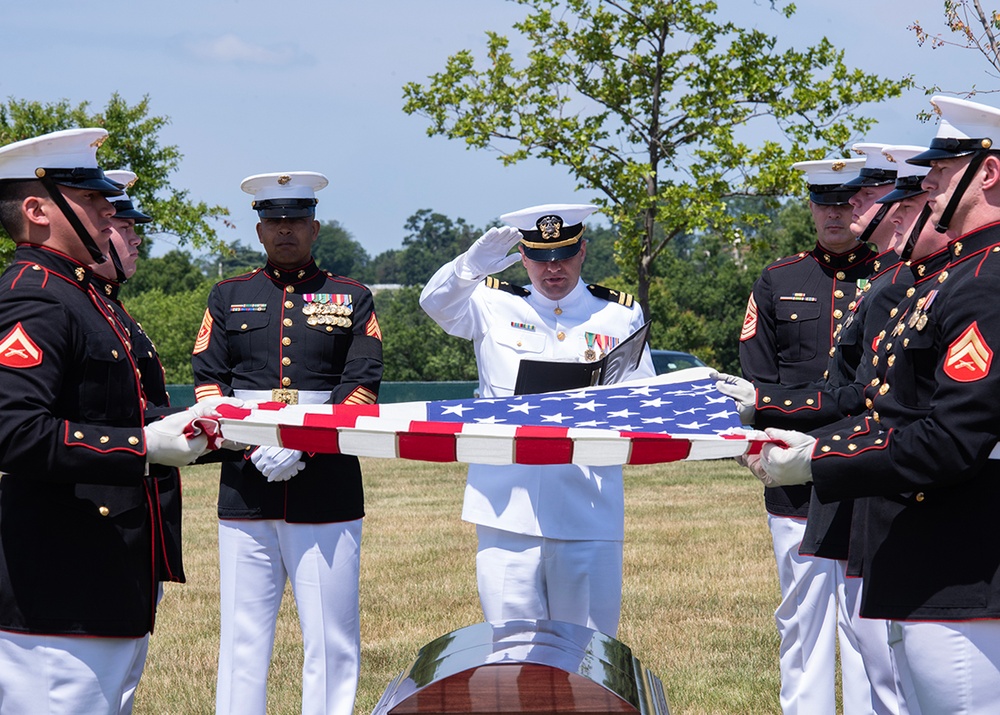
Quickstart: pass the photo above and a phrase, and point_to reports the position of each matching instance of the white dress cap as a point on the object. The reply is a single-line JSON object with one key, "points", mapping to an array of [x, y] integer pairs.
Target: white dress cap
{"points": [[908, 176], [67, 157], [826, 179], [550, 232], [966, 127], [286, 194]]}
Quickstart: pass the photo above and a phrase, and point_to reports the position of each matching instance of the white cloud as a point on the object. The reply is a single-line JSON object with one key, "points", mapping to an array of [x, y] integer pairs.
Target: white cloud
{"points": [[231, 49]]}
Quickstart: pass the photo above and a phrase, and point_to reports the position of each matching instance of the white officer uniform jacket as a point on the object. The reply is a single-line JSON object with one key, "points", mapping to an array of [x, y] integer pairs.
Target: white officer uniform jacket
{"points": [[565, 502]]}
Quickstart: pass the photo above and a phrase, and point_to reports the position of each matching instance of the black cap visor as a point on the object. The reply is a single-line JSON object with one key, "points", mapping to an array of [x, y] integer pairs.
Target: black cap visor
{"points": [[831, 194], [285, 208], [82, 178]]}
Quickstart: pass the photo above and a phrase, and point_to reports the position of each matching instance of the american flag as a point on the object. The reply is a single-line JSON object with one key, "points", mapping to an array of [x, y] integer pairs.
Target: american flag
{"points": [[663, 419]]}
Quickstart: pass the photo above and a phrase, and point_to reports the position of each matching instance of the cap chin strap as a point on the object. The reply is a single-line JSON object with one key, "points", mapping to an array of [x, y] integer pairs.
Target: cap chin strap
{"points": [[873, 224], [911, 240], [120, 276], [74, 220], [956, 198]]}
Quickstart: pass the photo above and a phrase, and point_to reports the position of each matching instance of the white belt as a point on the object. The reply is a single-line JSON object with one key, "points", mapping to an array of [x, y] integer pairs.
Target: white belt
{"points": [[304, 397]]}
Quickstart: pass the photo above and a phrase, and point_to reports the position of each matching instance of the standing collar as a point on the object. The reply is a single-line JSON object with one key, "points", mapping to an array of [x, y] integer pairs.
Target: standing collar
{"points": [[295, 276]]}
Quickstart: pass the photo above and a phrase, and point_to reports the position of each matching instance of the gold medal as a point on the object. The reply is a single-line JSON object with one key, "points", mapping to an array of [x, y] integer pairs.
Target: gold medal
{"points": [[589, 355]]}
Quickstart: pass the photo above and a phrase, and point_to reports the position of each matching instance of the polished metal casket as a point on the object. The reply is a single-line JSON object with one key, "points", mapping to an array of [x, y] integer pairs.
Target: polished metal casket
{"points": [[524, 666]]}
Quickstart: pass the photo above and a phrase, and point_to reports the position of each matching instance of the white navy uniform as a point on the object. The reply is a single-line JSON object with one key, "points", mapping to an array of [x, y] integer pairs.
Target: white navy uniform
{"points": [[539, 507]]}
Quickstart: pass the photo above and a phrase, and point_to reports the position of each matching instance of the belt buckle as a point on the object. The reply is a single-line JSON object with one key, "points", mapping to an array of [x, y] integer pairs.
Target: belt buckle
{"points": [[288, 397]]}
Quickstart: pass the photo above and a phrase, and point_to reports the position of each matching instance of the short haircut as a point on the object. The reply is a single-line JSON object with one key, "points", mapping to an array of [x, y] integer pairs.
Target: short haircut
{"points": [[12, 194]]}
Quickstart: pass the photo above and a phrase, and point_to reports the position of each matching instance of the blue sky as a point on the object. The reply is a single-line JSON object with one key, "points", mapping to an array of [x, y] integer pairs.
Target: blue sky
{"points": [[253, 86]]}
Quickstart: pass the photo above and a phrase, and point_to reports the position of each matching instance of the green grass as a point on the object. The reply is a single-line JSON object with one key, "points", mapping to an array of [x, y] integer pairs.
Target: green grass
{"points": [[699, 592]]}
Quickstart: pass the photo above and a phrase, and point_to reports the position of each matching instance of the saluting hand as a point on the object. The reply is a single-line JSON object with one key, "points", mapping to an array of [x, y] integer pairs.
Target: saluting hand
{"points": [[489, 254]]}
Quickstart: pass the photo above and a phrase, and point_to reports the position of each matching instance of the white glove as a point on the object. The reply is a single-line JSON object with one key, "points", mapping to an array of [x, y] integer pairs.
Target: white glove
{"points": [[277, 463], [208, 409], [167, 442], [742, 391], [786, 466], [489, 253]]}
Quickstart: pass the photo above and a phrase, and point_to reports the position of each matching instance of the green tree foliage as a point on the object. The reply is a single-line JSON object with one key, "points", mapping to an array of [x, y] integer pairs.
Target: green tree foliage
{"points": [[649, 103], [432, 239], [172, 273], [230, 260], [337, 251], [171, 320], [414, 346], [133, 143]]}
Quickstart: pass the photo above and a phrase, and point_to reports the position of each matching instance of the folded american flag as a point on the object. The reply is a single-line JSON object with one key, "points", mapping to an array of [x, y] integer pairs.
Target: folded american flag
{"points": [[678, 416]]}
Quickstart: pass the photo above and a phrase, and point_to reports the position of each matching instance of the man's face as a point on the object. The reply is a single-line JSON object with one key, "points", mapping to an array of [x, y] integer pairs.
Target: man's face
{"points": [[940, 183], [555, 279], [94, 211], [864, 207], [126, 242], [288, 242], [833, 226]]}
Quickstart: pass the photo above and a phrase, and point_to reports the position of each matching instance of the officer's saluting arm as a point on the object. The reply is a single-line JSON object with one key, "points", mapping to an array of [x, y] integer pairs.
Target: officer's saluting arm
{"points": [[49, 367], [362, 373]]}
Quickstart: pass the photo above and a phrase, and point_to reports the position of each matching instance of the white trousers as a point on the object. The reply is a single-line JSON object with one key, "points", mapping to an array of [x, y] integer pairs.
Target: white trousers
{"points": [[532, 577], [814, 607], [64, 675], [952, 666], [322, 561]]}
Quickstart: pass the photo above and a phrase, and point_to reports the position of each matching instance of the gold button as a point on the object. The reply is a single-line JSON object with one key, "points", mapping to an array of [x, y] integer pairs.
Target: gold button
{"points": [[841, 275], [838, 314], [286, 361], [133, 440], [560, 335], [558, 310], [833, 351], [518, 343], [888, 346], [892, 313], [795, 316], [838, 293], [810, 401], [910, 291], [243, 327], [287, 322], [891, 360], [869, 403], [286, 341], [836, 438], [329, 328], [943, 277], [78, 434], [286, 381], [105, 439], [875, 381], [788, 403], [879, 441], [764, 399], [852, 305], [114, 354], [103, 511], [852, 447], [825, 448], [875, 360], [884, 389], [290, 289], [857, 428], [876, 417], [906, 342], [289, 304], [920, 496]]}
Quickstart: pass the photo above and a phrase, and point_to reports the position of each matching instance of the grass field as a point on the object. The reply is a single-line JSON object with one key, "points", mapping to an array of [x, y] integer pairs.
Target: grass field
{"points": [[699, 592]]}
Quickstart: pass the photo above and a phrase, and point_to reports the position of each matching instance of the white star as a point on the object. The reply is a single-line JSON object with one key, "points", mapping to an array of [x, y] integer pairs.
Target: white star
{"points": [[591, 423], [622, 428], [644, 390], [720, 415], [621, 413], [689, 412], [655, 420], [491, 420], [716, 400], [555, 418], [692, 425], [591, 405], [456, 410], [524, 407], [658, 402]]}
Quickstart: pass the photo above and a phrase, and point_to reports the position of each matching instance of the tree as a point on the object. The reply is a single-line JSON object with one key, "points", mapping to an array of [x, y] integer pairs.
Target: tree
{"points": [[133, 143], [649, 103], [977, 30], [172, 273], [230, 260], [338, 252], [414, 347], [172, 322]]}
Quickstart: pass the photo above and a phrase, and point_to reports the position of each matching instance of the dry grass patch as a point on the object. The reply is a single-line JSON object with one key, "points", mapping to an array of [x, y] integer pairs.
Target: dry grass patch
{"points": [[700, 589]]}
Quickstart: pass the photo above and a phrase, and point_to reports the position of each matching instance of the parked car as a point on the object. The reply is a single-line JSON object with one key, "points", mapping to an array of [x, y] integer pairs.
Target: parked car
{"points": [[670, 360]]}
